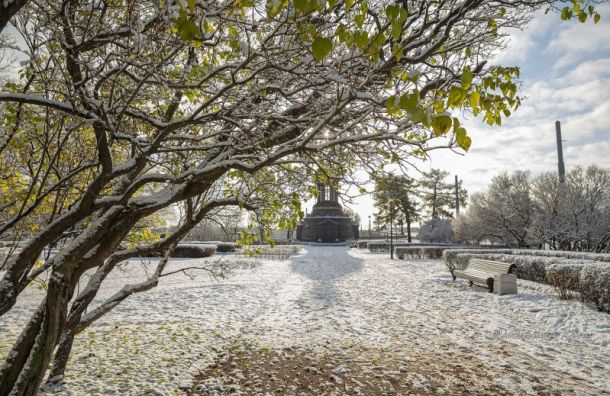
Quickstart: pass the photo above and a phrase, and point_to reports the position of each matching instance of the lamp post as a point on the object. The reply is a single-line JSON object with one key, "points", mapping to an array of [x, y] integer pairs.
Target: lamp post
{"points": [[391, 233], [369, 226]]}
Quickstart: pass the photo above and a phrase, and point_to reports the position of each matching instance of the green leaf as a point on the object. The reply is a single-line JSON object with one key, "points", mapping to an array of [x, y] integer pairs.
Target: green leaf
{"points": [[391, 105], [359, 20], [321, 47], [392, 12], [409, 102], [349, 4], [456, 96], [441, 125], [475, 97], [303, 6], [362, 39], [596, 18], [396, 30], [462, 139], [582, 17], [467, 78], [274, 7]]}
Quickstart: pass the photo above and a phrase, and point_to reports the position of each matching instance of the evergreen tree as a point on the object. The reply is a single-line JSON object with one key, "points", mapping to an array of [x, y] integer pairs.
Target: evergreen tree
{"points": [[438, 196], [395, 197]]}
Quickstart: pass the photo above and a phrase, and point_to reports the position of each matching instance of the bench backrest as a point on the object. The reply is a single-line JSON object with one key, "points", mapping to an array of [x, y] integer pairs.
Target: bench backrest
{"points": [[491, 267]]}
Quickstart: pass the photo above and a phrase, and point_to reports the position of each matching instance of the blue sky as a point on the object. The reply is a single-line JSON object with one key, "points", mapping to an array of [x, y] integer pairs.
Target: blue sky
{"points": [[565, 72]]}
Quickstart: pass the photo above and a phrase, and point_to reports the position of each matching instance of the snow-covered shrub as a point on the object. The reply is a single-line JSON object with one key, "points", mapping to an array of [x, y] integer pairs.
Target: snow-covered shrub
{"points": [[362, 244], [563, 254], [532, 268], [419, 252], [193, 251], [378, 247], [436, 230], [595, 285], [565, 278], [225, 247]]}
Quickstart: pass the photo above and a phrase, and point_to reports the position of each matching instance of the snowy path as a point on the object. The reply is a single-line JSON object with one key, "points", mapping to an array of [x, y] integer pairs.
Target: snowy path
{"points": [[332, 298]]}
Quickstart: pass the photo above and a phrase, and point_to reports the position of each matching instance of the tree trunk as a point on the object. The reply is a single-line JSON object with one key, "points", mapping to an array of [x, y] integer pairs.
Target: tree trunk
{"points": [[19, 354], [409, 230]]}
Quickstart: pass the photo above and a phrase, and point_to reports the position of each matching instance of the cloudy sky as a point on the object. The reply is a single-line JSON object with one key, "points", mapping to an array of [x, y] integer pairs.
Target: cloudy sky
{"points": [[565, 70]]}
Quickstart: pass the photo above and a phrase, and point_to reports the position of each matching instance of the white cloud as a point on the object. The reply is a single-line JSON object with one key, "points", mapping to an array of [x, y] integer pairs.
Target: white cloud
{"points": [[576, 41]]}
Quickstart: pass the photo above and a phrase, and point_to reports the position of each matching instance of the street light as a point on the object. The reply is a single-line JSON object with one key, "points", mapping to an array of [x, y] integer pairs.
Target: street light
{"points": [[391, 233], [369, 226]]}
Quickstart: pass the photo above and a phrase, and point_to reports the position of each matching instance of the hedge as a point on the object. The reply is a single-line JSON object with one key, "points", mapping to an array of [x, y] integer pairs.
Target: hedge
{"points": [[378, 247], [565, 278], [193, 251], [362, 244], [225, 247], [432, 251], [419, 252], [595, 285]]}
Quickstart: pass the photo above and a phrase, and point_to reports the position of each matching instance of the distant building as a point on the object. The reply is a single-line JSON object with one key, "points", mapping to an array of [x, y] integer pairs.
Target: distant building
{"points": [[327, 222]]}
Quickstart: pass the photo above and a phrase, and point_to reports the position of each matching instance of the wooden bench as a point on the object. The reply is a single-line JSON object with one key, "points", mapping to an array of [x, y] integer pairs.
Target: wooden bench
{"points": [[481, 272]]}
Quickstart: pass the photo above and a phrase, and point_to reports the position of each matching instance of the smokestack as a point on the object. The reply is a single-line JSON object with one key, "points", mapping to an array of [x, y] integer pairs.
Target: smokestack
{"points": [[560, 164], [457, 197]]}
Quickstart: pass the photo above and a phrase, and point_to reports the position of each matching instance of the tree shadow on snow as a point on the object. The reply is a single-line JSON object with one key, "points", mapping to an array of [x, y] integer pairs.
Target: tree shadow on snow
{"points": [[325, 266]]}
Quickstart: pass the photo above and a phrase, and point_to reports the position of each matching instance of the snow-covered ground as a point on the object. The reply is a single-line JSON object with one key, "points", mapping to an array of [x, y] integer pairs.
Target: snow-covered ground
{"points": [[332, 298]]}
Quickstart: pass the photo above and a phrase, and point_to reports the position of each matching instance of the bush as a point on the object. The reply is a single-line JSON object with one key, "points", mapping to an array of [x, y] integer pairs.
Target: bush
{"points": [[362, 244], [436, 230], [419, 252], [564, 278], [225, 247], [193, 251], [378, 247], [595, 285]]}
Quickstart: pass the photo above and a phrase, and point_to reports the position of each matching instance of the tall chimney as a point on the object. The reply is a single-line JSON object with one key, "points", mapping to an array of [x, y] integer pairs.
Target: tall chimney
{"points": [[560, 164]]}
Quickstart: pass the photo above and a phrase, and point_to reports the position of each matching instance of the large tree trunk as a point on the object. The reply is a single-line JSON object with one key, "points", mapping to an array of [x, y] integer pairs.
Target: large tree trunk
{"points": [[19, 354], [25, 372], [409, 230]]}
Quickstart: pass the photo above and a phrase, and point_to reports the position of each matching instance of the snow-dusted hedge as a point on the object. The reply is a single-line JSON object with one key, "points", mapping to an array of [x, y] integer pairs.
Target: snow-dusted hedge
{"points": [[450, 257], [595, 284], [193, 251], [267, 252], [565, 277], [378, 247], [362, 244], [419, 252], [225, 247], [432, 250]]}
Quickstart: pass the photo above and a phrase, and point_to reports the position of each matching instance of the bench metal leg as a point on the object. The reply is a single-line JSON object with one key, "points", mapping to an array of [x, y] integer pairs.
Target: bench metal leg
{"points": [[490, 284], [470, 283], [453, 275]]}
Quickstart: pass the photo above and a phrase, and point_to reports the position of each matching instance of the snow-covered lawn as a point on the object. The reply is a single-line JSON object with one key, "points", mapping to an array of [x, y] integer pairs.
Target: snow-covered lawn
{"points": [[407, 316]]}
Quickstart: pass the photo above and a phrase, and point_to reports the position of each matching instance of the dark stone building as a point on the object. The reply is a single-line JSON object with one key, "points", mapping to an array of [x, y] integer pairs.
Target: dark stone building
{"points": [[327, 223]]}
